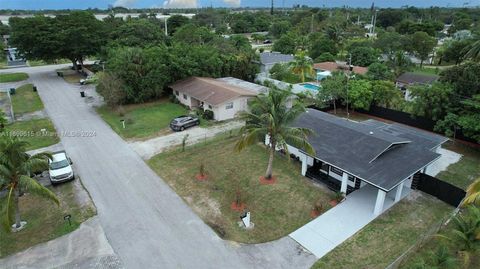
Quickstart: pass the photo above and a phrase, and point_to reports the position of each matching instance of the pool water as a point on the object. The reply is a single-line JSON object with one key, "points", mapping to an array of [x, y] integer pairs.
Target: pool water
{"points": [[311, 86]]}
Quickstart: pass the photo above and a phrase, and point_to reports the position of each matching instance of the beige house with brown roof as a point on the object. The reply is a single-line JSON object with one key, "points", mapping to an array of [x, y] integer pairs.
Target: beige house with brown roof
{"points": [[226, 97]]}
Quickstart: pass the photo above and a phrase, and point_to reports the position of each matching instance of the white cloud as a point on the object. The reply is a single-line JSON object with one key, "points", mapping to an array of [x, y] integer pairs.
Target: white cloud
{"points": [[124, 3], [233, 3], [180, 4]]}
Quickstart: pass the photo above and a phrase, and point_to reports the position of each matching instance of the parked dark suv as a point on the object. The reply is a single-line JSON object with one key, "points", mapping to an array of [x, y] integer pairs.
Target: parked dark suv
{"points": [[183, 122]]}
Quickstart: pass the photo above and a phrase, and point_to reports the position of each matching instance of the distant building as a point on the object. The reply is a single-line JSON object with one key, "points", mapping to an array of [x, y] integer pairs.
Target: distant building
{"points": [[404, 81], [323, 68], [226, 97], [269, 59]]}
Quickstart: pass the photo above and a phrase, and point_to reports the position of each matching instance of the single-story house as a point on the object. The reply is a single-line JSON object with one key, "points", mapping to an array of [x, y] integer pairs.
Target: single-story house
{"points": [[226, 97], [350, 155], [409, 78], [269, 59], [338, 66]]}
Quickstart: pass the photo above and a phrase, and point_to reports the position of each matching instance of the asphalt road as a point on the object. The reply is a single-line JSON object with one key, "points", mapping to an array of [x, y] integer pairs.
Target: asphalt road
{"points": [[147, 224]]}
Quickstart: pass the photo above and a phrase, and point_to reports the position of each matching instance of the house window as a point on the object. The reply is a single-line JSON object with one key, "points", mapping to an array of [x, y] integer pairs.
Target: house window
{"points": [[229, 105], [185, 96], [336, 170], [177, 93]]}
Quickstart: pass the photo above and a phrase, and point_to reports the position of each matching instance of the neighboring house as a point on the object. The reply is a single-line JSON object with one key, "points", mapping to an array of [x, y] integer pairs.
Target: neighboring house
{"points": [[324, 68], [226, 97], [269, 59], [409, 79], [350, 155]]}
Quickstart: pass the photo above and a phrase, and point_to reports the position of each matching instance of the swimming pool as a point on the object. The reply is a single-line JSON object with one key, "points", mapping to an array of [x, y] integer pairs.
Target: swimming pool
{"points": [[311, 87]]}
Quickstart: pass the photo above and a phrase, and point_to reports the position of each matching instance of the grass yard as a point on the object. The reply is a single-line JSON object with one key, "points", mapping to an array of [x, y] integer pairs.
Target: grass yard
{"points": [[353, 115], [465, 171], [384, 239], [25, 100], [426, 70], [31, 131], [142, 120], [45, 219], [276, 209], [13, 77]]}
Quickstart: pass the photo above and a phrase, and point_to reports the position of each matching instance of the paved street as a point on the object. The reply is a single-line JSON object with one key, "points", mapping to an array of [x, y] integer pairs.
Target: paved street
{"points": [[145, 222]]}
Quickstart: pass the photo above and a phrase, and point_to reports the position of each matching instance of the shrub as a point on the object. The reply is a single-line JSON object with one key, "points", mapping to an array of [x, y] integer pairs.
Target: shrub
{"points": [[208, 115]]}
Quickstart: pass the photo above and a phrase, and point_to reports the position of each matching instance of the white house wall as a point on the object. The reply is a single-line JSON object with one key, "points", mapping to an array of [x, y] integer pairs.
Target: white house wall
{"points": [[222, 113]]}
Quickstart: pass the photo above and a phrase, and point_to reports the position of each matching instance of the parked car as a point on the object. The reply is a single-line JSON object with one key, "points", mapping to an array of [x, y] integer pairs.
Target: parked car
{"points": [[268, 41], [183, 122], [60, 168]]}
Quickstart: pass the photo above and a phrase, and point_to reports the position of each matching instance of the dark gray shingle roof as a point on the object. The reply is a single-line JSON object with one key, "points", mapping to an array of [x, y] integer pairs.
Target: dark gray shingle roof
{"points": [[275, 57], [379, 153], [416, 78]]}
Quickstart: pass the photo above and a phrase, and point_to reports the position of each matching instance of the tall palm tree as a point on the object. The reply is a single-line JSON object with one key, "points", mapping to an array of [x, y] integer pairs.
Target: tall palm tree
{"points": [[270, 117], [473, 194], [302, 65], [15, 169], [474, 51]]}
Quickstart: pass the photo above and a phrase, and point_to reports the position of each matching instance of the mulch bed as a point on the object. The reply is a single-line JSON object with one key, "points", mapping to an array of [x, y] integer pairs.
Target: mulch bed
{"points": [[238, 207], [270, 181], [201, 177]]}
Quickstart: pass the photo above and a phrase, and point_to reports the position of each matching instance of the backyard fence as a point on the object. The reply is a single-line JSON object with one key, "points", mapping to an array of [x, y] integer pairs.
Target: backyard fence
{"points": [[444, 191]]}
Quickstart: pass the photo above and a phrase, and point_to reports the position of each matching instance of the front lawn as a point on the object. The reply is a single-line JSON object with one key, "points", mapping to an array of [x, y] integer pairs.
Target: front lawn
{"points": [[276, 210], [380, 242], [142, 120], [45, 219], [13, 77], [25, 100], [31, 131], [465, 171]]}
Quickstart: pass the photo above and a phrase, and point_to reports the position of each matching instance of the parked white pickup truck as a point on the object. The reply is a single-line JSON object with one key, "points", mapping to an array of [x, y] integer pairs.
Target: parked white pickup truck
{"points": [[60, 168]]}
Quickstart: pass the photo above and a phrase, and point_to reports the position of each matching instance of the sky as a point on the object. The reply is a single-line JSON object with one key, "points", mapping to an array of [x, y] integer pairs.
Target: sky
{"points": [[82, 4]]}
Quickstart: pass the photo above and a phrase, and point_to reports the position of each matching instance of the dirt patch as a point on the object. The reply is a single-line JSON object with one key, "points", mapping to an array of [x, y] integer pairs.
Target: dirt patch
{"points": [[205, 206]]}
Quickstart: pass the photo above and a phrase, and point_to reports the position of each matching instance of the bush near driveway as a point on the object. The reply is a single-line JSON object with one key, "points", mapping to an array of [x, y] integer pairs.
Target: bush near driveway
{"points": [[45, 219], [25, 100], [13, 77], [276, 210], [142, 120]]}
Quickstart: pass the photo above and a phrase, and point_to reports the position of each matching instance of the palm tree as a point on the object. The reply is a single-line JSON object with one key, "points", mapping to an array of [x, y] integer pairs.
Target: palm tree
{"points": [[473, 194], [302, 65], [15, 169], [474, 51], [270, 117]]}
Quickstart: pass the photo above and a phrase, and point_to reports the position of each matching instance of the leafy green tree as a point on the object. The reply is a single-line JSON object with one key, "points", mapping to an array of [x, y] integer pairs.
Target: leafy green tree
{"points": [[363, 56], [473, 51], [432, 101], [271, 118], [455, 50], [286, 44], [194, 35], [469, 118], [175, 22], [379, 71], [322, 45], [325, 57], [334, 88], [360, 94], [389, 42], [422, 45], [111, 88], [399, 63], [137, 33], [279, 28], [390, 17], [464, 78], [16, 166], [302, 66], [386, 94], [4, 29]]}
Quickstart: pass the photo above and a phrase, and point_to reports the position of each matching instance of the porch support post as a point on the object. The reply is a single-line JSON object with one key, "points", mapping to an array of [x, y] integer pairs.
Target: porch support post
{"points": [[398, 195], [343, 188], [424, 170], [304, 164], [379, 203]]}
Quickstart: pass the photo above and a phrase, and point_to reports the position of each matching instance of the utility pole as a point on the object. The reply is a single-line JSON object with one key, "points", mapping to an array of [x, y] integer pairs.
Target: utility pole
{"points": [[166, 30], [350, 69], [311, 24], [271, 9], [374, 21]]}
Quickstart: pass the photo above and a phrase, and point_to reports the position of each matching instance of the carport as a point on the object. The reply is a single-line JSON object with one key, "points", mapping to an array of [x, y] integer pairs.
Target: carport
{"points": [[329, 230]]}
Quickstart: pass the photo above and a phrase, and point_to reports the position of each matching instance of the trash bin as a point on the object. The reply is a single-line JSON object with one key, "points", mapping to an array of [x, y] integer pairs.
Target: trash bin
{"points": [[58, 73], [82, 93], [34, 88], [12, 90]]}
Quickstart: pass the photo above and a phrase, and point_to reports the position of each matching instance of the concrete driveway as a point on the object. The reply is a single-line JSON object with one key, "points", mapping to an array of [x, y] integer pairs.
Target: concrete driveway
{"points": [[146, 223]]}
